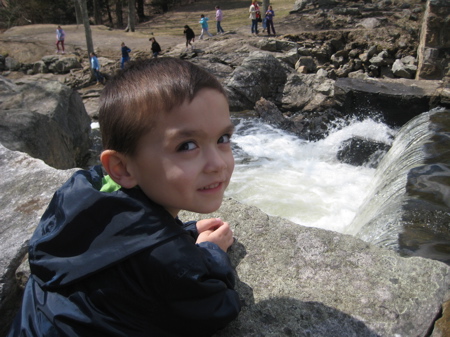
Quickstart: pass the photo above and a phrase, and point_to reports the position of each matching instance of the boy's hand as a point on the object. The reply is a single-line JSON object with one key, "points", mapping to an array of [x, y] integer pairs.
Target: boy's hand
{"points": [[209, 224], [216, 231]]}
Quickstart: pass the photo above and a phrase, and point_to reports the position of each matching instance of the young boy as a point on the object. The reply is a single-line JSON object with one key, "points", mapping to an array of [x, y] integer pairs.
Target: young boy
{"points": [[125, 55], [190, 37], [110, 256]]}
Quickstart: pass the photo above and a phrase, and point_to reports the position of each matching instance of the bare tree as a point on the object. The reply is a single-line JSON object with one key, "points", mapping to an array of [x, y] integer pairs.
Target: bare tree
{"points": [[119, 13], [131, 15], [97, 12], [108, 10], [140, 10], [78, 12], [87, 26], [265, 6]]}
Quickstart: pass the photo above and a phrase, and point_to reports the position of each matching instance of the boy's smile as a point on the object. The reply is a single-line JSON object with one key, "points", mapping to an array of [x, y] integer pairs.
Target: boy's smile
{"points": [[185, 161]]}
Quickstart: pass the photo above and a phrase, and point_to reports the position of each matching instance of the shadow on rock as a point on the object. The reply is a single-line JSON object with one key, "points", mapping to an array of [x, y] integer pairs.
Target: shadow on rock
{"points": [[284, 316]]}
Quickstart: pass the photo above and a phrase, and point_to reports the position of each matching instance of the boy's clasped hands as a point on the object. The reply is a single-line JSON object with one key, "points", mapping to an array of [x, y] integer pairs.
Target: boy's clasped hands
{"points": [[216, 231]]}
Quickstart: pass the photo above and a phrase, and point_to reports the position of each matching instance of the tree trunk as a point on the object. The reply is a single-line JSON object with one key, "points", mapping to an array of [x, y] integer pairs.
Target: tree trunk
{"points": [[265, 6], [108, 10], [97, 13], [87, 26], [78, 14], [131, 15], [119, 13], [140, 10]]}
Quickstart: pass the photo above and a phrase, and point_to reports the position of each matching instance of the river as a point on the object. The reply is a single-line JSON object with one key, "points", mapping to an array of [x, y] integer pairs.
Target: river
{"points": [[302, 180]]}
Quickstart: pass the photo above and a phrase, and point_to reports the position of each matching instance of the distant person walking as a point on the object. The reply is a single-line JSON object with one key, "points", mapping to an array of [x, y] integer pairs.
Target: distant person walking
{"points": [[204, 23], [190, 37], [156, 48], [219, 17], [254, 16], [125, 55], [95, 66], [269, 20], [60, 36]]}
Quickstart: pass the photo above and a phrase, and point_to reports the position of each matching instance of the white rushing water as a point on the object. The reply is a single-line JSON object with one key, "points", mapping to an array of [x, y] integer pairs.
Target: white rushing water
{"points": [[302, 180]]}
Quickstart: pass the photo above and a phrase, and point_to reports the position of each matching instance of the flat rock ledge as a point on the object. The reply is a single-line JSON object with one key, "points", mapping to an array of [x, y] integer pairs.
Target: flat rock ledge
{"points": [[293, 280], [301, 281]]}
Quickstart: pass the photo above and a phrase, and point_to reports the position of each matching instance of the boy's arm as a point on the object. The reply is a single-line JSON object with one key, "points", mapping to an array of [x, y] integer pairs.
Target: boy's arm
{"points": [[197, 283], [191, 228]]}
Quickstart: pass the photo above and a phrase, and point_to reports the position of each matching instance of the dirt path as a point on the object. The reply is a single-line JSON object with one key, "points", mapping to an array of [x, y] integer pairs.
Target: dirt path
{"points": [[28, 44]]}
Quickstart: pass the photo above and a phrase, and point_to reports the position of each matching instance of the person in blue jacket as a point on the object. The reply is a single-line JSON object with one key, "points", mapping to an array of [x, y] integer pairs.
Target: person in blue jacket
{"points": [[205, 27], [125, 55], [269, 20], [95, 66], [110, 257]]}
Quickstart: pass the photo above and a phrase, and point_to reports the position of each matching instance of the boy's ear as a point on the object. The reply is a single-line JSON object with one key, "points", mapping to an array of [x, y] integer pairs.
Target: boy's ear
{"points": [[115, 163]]}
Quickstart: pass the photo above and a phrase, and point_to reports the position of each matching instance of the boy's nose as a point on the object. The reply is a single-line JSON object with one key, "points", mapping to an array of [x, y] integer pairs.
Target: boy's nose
{"points": [[215, 161]]}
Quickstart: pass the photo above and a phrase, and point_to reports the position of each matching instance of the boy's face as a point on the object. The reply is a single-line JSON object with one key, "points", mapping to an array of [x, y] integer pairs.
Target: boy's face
{"points": [[186, 162]]}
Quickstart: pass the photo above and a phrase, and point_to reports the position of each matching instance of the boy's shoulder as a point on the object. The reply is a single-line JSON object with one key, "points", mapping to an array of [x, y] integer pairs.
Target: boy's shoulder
{"points": [[118, 231]]}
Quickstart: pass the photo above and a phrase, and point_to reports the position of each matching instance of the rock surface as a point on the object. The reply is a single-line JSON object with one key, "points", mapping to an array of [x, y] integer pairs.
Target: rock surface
{"points": [[434, 41], [360, 151], [45, 119], [27, 186], [293, 280], [299, 281], [398, 101]]}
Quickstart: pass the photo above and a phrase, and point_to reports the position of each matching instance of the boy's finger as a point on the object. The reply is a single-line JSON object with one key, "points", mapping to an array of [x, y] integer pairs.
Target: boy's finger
{"points": [[209, 224]]}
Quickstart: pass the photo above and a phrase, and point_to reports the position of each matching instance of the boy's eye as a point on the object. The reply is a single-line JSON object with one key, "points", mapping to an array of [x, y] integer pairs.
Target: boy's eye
{"points": [[188, 146], [224, 139]]}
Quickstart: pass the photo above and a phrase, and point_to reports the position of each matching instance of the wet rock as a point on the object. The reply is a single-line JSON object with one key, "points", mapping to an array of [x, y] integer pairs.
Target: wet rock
{"points": [[359, 151]]}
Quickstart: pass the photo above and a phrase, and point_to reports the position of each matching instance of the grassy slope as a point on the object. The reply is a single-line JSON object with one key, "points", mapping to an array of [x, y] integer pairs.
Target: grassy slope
{"points": [[235, 16]]}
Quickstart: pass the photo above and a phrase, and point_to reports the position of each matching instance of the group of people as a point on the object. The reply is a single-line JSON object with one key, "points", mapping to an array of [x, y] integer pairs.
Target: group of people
{"points": [[125, 51], [255, 16], [205, 26], [155, 48]]}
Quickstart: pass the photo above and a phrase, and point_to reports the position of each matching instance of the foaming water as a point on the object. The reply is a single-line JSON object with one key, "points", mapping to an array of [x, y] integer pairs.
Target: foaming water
{"points": [[301, 180]]}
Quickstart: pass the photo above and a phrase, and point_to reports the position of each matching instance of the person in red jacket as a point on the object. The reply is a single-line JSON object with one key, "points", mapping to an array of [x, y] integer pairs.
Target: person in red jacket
{"points": [[110, 257]]}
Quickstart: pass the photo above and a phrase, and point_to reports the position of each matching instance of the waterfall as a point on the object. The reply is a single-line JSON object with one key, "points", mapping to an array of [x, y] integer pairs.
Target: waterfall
{"points": [[302, 180], [407, 207], [388, 186]]}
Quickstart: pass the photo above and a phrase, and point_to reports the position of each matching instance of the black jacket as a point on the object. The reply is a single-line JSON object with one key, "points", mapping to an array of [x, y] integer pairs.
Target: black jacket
{"points": [[189, 34], [117, 264], [156, 48]]}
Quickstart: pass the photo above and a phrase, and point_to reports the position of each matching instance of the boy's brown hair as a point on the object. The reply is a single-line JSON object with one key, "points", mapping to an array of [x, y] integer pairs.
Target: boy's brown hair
{"points": [[131, 102]]}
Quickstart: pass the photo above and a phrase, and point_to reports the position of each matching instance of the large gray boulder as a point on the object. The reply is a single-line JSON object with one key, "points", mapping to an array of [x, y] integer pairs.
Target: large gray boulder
{"points": [[300, 281], [61, 64], [293, 280], [307, 92], [45, 119], [27, 186], [260, 75], [397, 100]]}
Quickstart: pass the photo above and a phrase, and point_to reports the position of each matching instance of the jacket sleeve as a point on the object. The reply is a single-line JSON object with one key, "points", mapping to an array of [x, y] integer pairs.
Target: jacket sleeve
{"points": [[191, 228], [195, 283]]}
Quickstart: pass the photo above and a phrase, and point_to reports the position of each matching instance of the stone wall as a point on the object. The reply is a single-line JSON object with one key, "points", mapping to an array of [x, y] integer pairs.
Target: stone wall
{"points": [[435, 42]]}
